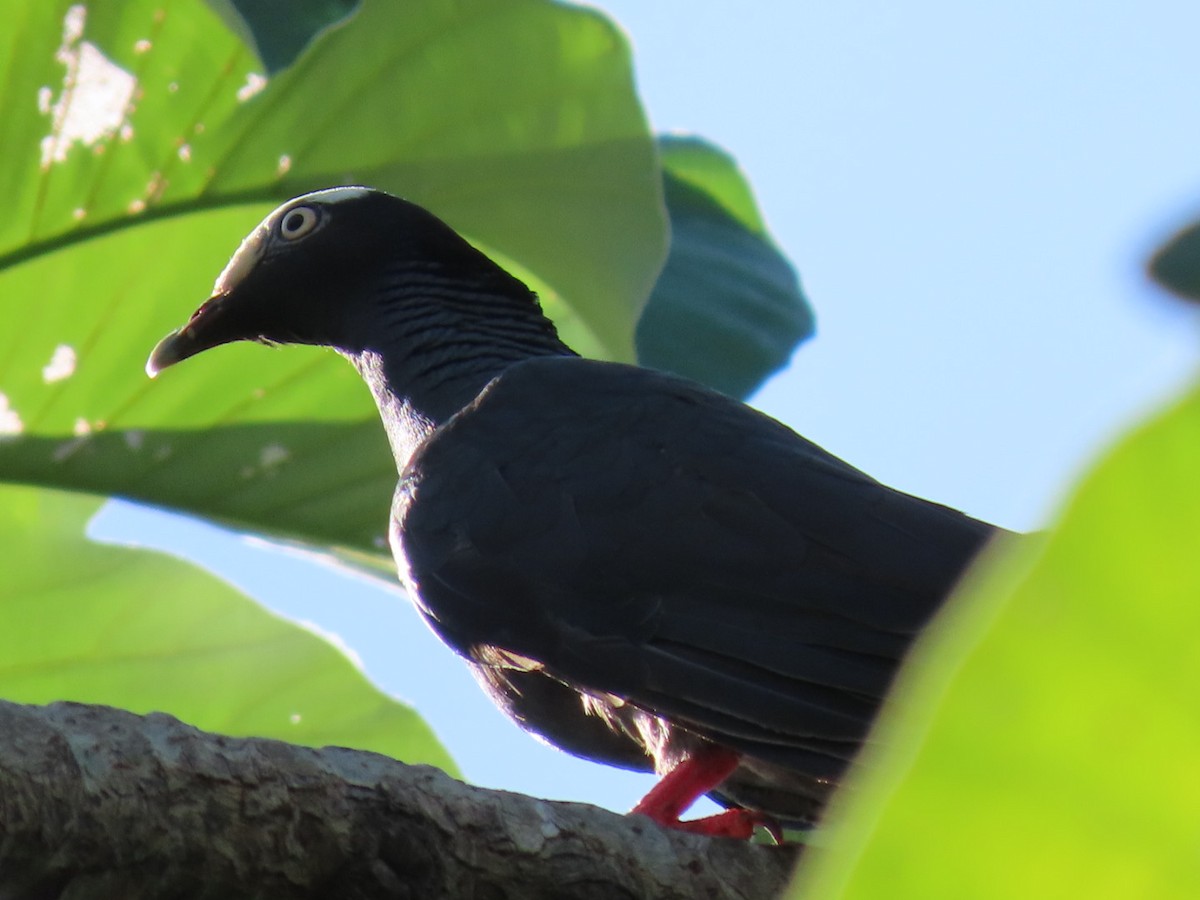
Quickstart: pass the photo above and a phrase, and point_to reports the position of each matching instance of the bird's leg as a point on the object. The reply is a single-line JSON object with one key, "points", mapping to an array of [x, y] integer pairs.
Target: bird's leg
{"points": [[686, 783]]}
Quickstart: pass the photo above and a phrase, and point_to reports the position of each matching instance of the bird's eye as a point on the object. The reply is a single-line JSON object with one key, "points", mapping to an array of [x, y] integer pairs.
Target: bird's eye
{"points": [[298, 222]]}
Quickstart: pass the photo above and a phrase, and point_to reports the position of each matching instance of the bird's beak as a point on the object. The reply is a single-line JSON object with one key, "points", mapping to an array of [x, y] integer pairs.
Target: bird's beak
{"points": [[208, 327], [219, 320]]}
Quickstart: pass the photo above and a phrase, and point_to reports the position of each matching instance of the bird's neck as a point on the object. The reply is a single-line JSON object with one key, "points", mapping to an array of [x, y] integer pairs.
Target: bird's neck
{"points": [[432, 359]]}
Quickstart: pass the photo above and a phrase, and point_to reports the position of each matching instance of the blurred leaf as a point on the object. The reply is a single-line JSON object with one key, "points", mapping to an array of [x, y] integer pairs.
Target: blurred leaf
{"points": [[141, 630], [727, 309], [1042, 743], [1176, 266]]}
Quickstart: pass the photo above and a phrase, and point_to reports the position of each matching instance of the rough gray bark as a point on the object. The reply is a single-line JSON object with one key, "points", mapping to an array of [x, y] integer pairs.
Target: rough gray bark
{"points": [[97, 802]]}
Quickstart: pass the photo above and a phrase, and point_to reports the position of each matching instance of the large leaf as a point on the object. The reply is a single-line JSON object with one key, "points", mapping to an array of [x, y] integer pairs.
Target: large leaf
{"points": [[139, 629], [288, 444], [727, 309], [1043, 744], [114, 233], [515, 120]]}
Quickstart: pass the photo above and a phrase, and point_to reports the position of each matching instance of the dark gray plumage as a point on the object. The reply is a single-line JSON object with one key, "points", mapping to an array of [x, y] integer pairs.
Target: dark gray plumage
{"points": [[636, 567]]}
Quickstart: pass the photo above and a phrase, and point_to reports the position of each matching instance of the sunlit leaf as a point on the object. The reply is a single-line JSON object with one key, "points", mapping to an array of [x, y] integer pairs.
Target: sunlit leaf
{"points": [[116, 111], [115, 233]]}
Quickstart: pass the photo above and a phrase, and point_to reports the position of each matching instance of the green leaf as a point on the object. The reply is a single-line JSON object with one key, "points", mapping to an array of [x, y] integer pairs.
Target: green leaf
{"points": [[141, 630], [118, 233], [292, 481], [1176, 266], [1042, 743], [547, 161], [727, 309]]}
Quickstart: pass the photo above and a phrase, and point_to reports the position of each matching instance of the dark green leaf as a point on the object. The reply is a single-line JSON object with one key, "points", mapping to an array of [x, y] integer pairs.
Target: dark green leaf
{"points": [[727, 309], [279, 30]]}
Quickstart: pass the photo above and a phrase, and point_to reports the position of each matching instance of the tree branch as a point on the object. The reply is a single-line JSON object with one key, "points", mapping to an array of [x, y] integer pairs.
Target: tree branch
{"points": [[97, 802]]}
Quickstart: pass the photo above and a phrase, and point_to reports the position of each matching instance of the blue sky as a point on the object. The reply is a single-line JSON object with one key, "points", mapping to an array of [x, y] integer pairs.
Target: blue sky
{"points": [[968, 192]]}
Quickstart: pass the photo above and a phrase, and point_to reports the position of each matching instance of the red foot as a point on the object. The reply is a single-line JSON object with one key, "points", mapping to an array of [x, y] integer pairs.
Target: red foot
{"points": [[687, 782]]}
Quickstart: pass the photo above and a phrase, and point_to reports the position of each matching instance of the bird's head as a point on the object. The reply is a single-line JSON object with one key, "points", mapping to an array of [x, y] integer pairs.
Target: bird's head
{"points": [[309, 272]]}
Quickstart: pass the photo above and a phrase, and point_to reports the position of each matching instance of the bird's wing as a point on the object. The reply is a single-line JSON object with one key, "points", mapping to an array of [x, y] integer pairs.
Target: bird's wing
{"points": [[644, 537]]}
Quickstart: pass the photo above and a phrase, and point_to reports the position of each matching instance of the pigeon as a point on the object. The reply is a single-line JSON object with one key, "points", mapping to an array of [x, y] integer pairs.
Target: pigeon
{"points": [[638, 569]]}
